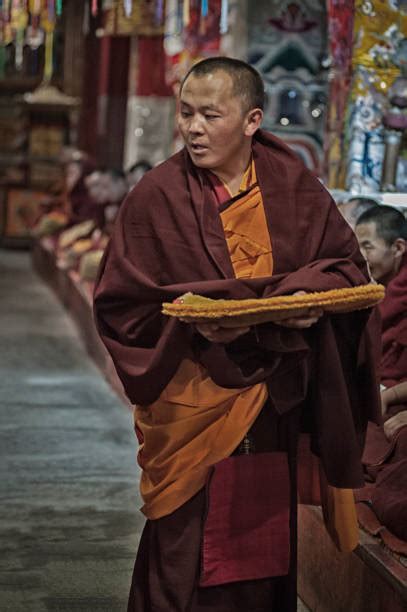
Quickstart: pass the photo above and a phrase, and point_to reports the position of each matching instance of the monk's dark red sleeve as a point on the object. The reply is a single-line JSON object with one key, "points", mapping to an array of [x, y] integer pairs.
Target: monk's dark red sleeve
{"points": [[145, 346]]}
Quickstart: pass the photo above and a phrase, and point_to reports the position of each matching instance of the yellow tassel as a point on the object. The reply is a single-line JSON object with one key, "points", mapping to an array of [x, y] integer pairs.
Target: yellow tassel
{"points": [[186, 14], [48, 66]]}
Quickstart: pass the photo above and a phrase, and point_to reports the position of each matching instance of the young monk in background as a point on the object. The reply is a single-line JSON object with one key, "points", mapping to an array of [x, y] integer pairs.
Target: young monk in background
{"points": [[107, 188], [75, 204], [111, 192], [382, 235], [218, 411]]}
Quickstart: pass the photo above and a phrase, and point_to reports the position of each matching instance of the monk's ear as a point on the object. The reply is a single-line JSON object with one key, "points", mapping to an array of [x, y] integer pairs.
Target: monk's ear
{"points": [[399, 247], [253, 121]]}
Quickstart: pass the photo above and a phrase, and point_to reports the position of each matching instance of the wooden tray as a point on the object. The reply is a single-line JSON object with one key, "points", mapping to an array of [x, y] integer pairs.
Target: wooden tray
{"points": [[236, 313]]}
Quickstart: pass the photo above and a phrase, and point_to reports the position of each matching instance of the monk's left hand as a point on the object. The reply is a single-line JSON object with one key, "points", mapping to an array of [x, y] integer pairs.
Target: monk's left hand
{"points": [[215, 333], [395, 423]]}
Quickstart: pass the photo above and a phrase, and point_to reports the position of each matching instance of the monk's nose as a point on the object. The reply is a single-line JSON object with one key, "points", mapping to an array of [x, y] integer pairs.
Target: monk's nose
{"points": [[195, 126]]}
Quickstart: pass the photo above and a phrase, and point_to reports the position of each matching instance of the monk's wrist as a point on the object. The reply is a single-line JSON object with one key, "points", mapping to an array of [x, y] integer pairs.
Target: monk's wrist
{"points": [[396, 399], [390, 396]]}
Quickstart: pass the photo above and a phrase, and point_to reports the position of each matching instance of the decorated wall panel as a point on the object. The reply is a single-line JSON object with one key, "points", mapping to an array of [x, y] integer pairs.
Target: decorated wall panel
{"points": [[288, 45], [379, 30]]}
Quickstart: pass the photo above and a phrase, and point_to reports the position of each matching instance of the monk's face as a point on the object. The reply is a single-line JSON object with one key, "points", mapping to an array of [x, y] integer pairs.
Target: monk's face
{"points": [[97, 187], [213, 123], [72, 175], [384, 260]]}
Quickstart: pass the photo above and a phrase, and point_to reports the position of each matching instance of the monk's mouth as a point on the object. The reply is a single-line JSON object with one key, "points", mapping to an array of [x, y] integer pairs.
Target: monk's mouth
{"points": [[197, 148]]}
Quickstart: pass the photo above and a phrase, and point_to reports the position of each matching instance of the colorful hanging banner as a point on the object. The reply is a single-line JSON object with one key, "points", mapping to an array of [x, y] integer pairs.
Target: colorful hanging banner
{"points": [[48, 27], [379, 29], [186, 13], [224, 17], [2, 61], [128, 7], [159, 12], [6, 10], [340, 15], [204, 8], [143, 19], [35, 7], [190, 44]]}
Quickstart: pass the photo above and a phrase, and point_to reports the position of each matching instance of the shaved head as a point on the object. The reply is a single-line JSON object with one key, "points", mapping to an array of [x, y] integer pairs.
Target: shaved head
{"points": [[390, 223], [247, 83]]}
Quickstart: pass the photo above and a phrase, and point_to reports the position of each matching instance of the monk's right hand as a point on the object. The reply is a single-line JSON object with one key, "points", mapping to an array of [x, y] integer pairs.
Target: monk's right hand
{"points": [[396, 422], [302, 321], [215, 333]]}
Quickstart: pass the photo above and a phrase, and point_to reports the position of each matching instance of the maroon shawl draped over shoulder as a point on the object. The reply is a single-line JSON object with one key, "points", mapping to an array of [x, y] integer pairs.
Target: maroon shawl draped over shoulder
{"points": [[169, 240], [393, 310]]}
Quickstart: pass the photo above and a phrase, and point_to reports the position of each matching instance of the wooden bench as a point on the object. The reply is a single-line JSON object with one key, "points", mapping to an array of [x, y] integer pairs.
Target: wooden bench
{"points": [[369, 579]]}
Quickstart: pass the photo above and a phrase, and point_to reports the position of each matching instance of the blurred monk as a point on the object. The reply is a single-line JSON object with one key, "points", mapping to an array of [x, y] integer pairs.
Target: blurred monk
{"points": [[76, 204]]}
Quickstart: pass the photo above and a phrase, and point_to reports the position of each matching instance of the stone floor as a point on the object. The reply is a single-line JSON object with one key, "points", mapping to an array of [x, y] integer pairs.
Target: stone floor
{"points": [[69, 523]]}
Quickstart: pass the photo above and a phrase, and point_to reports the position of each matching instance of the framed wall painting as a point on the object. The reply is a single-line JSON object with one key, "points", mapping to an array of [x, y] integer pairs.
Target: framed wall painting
{"points": [[21, 209]]}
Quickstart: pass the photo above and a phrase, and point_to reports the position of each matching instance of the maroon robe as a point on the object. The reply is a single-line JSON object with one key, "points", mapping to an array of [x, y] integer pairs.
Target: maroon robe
{"points": [[169, 240], [386, 460], [82, 207], [393, 310]]}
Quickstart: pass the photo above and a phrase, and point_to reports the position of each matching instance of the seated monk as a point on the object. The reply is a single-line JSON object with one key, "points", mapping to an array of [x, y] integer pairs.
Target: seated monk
{"points": [[77, 239], [386, 465], [108, 189], [116, 190], [382, 234], [81, 204], [76, 206], [394, 397]]}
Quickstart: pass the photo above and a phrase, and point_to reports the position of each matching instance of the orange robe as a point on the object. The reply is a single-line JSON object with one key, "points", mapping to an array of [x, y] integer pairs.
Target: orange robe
{"points": [[195, 423]]}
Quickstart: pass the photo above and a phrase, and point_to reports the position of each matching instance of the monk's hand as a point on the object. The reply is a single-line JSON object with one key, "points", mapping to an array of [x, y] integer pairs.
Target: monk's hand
{"points": [[385, 397], [303, 321], [215, 333], [395, 423]]}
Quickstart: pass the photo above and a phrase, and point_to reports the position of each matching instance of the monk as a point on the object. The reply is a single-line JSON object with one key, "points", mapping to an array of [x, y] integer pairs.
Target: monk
{"points": [[82, 245], [77, 205], [382, 235], [219, 411]]}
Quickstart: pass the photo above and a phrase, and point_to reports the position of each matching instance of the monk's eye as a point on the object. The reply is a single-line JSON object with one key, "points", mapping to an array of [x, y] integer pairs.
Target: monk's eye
{"points": [[185, 113], [210, 117]]}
